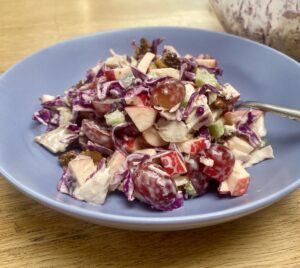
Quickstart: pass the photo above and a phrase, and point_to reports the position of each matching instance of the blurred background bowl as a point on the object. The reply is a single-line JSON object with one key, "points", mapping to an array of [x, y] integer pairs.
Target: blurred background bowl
{"points": [[275, 23]]}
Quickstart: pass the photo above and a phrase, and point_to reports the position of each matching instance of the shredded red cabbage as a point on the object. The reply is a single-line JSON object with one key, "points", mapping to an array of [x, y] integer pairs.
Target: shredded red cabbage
{"points": [[244, 129], [99, 148]]}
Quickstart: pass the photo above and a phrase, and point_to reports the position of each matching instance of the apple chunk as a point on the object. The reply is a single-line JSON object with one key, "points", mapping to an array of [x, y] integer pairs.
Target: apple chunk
{"points": [[193, 146], [142, 117], [172, 163], [237, 183]]}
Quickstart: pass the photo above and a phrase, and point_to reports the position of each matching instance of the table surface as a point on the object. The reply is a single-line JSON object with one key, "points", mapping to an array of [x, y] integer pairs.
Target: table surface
{"points": [[32, 235]]}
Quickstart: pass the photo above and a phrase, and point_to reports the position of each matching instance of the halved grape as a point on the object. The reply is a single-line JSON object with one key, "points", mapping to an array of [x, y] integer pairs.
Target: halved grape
{"points": [[168, 94]]}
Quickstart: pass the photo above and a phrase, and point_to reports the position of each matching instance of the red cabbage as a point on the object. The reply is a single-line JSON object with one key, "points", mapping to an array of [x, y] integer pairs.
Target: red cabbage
{"points": [[138, 74], [58, 101], [112, 88], [155, 43], [153, 81], [244, 129], [67, 183], [99, 148], [73, 128], [47, 117]]}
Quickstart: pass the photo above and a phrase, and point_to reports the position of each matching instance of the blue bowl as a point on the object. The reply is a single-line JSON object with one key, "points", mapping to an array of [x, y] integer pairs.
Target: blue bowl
{"points": [[259, 72]]}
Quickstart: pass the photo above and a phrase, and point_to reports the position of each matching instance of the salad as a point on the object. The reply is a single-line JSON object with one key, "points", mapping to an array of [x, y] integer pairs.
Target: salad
{"points": [[160, 128]]}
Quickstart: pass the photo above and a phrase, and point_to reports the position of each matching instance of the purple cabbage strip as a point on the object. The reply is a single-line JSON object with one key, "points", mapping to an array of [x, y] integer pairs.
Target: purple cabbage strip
{"points": [[116, 141], [128, 186], [206, 87], [190, 76], [155, 43], [101, 164], [67, 183], [244, 129], [114, 88], [47, 117], [138, 74], [73, 128], [153, 81], [183, 68], [205, 134], [99, 148], [56, 102], [216, 70], [136, 91]]}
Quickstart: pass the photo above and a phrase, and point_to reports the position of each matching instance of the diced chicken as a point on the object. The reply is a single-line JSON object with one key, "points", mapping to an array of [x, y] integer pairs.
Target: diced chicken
{"points": [[145, 62], [65, 115], [241, 156], [229, 130], [45, 98], [237, 183], [195, 121], [56, 140], [236, 143], [115, 162], [189, 90], [260, 155], [210, 63], [168, 115], [95, 189], [173, 131], [165, 72], [229, 92], [81, 168]]}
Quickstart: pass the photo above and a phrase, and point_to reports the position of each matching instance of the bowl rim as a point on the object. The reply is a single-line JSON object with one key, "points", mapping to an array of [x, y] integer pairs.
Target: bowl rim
{"points": [[136, 220]]}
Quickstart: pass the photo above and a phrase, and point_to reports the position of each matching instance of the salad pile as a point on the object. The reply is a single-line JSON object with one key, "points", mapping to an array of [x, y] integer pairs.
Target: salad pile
{"points": [[158, 127]]}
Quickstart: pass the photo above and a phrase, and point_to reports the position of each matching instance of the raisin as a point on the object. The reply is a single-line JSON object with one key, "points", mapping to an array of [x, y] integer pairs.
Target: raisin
{"points": [[141, 50], [66, 157], [96, 156], [160, 63], [220, 103], [172, 60]]}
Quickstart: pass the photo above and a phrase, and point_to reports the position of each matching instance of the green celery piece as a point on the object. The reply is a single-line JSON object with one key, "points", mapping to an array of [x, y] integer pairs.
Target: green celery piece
{"points": [[205, 77], [189, 189], [216, 129], [114, 118]]}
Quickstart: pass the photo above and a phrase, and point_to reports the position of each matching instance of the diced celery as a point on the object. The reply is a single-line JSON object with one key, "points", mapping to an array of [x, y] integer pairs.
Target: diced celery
{"points": [[216, 129], [114, 118], [189, 189], [205, 77]]}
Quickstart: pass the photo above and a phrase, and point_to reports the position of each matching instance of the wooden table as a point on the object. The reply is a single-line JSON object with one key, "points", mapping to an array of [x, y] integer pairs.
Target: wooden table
{"points": [[32, 235]]}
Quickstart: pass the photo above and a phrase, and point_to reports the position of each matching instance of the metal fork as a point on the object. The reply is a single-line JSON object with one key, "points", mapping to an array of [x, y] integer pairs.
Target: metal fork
{"points": [[275, 109]]}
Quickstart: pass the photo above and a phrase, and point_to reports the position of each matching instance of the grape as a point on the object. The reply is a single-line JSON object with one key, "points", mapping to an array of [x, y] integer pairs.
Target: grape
{"points": [[167, 94], [223, 162], [155, 186]]}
